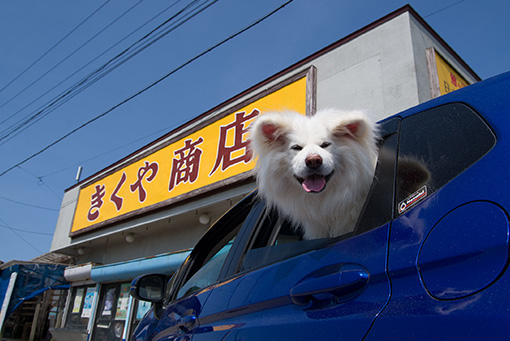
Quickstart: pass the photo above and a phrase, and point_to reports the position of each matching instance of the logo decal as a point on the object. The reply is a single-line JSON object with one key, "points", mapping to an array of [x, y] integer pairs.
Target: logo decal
{"points": [[412, 200]]}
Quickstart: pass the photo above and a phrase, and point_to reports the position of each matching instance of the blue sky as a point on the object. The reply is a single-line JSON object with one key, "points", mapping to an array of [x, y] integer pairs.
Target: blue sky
{"points": [[49, 46]]}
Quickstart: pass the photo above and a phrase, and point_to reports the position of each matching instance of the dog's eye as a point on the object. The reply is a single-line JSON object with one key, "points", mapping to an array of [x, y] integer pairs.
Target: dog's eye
{"points": [[296, 147], [325, 144]]}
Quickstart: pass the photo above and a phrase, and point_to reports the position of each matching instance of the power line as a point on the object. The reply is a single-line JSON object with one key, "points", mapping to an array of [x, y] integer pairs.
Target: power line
{"points": [[105, 153], [87, 64], [4, 224], [54, 46], [70, 55], [442, 9], [42, 183], [29, 205], [157, 132], [103, 70], [107, 68], [27, 231], [136, 94]]}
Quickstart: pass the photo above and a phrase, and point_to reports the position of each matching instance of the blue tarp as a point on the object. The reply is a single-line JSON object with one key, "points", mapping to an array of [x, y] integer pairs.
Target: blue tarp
{"points": [[32, 280]]}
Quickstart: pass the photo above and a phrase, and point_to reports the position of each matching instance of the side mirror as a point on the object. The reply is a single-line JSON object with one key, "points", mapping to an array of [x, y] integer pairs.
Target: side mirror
{"points": [[149, 288]]}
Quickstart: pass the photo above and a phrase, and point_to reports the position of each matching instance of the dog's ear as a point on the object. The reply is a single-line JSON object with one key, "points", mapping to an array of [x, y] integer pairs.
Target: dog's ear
{"points": [[269, 129], [272, 132], [355, 128]]}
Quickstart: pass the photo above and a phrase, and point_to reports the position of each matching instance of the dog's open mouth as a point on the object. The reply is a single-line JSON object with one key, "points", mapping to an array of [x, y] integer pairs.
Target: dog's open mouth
{"points": [[314, 183]]}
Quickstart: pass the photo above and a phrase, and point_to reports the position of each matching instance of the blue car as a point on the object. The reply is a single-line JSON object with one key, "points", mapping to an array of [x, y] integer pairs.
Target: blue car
{"points": [[427, 260]]}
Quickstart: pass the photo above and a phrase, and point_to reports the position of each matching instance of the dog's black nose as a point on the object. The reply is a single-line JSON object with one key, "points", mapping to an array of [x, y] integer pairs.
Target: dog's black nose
{"points": [[313, 161]]}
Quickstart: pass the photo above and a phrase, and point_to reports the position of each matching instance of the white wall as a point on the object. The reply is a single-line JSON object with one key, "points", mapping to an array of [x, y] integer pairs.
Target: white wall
{"points": [[375, 72]]}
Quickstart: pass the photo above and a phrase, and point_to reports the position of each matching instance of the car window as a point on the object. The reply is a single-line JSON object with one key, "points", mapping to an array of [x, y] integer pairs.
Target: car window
{"points": [[435, 146], [209, 273], [275, 239], [378, 208], [209, 257]]}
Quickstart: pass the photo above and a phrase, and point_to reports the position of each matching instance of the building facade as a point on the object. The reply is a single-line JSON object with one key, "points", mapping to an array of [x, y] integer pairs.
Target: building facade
{"points": [[144, 213]]}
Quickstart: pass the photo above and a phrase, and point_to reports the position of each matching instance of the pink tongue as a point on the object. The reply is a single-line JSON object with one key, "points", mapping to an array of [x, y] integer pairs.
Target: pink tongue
{"points": [[314, 183]]}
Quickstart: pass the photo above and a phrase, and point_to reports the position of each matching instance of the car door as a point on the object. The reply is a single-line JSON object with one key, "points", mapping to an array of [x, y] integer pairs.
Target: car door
{"points": [[277, 288], [193, 283], [449, 242]]}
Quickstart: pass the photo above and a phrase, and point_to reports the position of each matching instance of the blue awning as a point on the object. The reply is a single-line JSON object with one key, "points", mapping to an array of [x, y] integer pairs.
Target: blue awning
{"points": [[162, 264]]}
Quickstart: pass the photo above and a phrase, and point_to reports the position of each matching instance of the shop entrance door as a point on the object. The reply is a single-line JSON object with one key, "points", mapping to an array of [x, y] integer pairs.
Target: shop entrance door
{"points": [[112, 312]]}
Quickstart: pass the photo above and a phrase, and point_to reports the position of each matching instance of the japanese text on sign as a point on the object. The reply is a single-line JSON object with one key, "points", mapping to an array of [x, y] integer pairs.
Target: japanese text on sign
{"points": [[449, 79], [207, 156]]}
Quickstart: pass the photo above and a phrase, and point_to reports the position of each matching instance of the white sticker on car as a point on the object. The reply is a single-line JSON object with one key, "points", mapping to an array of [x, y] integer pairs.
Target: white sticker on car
{"points": [[412, 200]]}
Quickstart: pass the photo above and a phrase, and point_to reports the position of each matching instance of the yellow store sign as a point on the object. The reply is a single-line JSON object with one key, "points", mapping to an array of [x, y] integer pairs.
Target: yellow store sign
{"points": [[443, 77], [204, 159], [449, 79]]}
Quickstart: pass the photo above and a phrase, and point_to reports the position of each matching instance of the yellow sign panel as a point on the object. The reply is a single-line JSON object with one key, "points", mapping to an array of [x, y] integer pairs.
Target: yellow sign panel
{"points": [[207, 156], [449, 79]]}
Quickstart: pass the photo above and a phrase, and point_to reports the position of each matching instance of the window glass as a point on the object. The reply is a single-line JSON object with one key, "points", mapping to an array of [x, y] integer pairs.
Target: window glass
{"points": [[208, 259], [378, 208], [209, 273], [112, 312], [80, 309], [140, 308], [276, 240], [436, 146]]}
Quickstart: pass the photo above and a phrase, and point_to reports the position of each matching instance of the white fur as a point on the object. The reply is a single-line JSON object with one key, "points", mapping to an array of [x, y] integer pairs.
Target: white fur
{"points": [[350, 159]]}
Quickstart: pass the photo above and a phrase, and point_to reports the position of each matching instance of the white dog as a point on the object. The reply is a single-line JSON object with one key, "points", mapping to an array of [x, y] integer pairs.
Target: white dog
{"points": [[316, 170]]}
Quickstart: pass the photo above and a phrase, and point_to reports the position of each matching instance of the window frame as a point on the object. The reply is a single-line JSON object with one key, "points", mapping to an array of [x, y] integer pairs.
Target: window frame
{"points": [[389, 130], [384, 178], [110, 319], [448, 112], [255, 211], [243, 213], [69, 318]]}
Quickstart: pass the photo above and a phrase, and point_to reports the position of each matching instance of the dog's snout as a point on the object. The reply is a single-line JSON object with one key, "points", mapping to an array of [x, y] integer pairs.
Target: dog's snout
{"points": [[313, 161]]}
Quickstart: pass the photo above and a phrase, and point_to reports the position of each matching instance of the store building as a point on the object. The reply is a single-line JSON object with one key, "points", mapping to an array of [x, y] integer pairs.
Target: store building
{"points": [[144, 213]]}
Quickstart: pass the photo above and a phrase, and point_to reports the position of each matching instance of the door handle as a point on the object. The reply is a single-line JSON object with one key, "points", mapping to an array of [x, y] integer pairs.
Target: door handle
{"points": [[340, 282]]}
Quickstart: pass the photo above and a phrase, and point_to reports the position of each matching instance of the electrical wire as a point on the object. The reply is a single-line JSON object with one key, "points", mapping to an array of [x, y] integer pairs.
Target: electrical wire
{"points": [[40, 182], [71, 54], [26, 231], [158, 132], [442, 9], [54, 46], [141, 91], [29, 205], [87, 64], [106, 68], [4, 224]]}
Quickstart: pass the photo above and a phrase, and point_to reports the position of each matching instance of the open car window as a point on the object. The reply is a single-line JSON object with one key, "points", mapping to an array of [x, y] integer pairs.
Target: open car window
{"points": [[274, 238]]}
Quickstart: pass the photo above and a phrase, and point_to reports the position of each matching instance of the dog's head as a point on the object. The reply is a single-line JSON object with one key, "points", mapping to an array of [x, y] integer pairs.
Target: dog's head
{"points": [[312, 151]]}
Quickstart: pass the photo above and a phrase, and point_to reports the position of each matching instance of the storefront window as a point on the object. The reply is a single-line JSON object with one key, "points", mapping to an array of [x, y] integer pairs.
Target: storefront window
{"points": [[80, 309], [139, 310], [112, 312]]}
